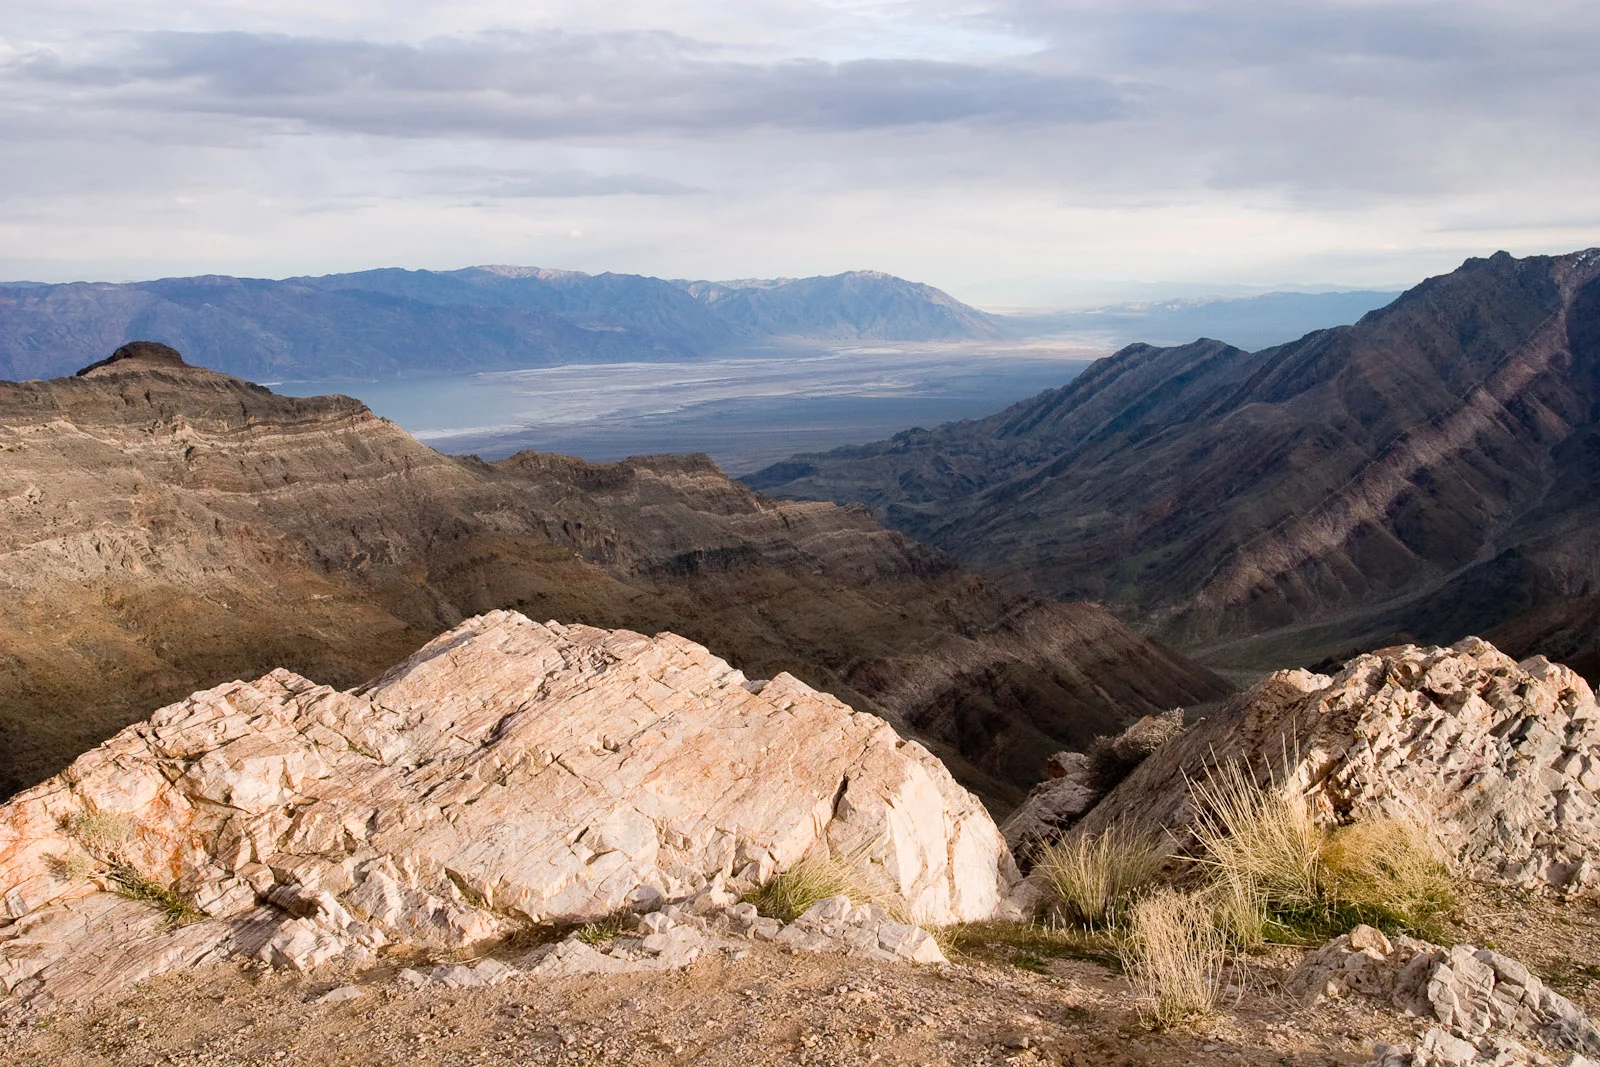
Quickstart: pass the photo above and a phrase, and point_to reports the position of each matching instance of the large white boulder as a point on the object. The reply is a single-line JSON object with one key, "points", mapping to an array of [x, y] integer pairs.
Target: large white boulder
{"points": [[509, 772]]}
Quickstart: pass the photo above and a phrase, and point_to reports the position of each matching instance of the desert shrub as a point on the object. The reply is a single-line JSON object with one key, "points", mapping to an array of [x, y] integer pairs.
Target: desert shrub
{"points": [[1175, 958], [1093, 875], [1111, 759], [1390, 872], [105, 837], [1277, 873]]}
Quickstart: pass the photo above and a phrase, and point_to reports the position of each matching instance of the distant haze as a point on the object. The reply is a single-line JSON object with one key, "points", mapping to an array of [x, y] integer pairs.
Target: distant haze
{"points": [[1038, 153]]}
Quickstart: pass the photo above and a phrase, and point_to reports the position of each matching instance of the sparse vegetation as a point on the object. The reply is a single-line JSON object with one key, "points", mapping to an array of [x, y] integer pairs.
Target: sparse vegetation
{"points": [[1025, 945], [105, 837], [1094, 875], [787, 896], [1111, 759], [1175, 957], [1391, 872], [1278, 874], [606, 930]]}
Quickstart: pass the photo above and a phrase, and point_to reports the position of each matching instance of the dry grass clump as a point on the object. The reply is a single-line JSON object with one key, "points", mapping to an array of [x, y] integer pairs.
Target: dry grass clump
{"points": [[787, 896], [1265, 842], [1277, 873], [102, 833], [105, 837], [1094, 875], [1392, 872], [1175, 957]]}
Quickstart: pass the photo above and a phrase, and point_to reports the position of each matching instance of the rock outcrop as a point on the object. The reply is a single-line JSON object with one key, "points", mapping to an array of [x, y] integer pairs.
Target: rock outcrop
{"points": [[1484, 1002], [1501, 758], [508, 773]]}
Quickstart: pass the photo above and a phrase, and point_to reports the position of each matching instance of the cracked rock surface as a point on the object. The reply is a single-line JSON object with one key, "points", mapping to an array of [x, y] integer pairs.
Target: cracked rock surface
{"points": [[1502, 757], [508, 773], [1484, 1002]]}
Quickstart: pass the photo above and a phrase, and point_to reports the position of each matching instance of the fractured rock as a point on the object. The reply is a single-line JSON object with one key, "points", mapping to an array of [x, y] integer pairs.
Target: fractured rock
{"points": [[1501, 757], [508, 772], [1471, 993]]}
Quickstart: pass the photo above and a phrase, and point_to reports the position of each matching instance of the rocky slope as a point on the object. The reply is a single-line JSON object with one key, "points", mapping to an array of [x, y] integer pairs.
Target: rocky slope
{"points": [[507, 774], [1501, 758], [165, 528], [1427, 473], [386, 323]]}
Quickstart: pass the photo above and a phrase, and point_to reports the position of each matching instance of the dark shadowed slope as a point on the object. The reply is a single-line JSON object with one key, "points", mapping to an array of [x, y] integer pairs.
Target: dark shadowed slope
{"points": [[165, 528], [1432, 471], [397, 323]]}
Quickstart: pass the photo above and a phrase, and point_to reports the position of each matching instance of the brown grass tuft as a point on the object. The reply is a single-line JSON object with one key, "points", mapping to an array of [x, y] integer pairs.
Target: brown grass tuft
{"points": [[1175, 958], [1093, 876]]}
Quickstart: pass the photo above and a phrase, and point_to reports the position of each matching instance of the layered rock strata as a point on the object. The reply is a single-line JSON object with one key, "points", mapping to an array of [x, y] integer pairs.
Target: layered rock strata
{"points": [[1501, 758], [164, 528], [1428, 471], [508, 773]]}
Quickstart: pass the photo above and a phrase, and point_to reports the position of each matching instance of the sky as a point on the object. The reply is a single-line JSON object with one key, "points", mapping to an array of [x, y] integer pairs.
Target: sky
{"points": [[1017, 153]]}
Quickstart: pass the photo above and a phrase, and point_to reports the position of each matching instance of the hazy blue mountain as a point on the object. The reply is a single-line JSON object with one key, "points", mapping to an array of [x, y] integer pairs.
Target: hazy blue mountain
{"points": [[1250, 322], [863, 304], [397, 323]]}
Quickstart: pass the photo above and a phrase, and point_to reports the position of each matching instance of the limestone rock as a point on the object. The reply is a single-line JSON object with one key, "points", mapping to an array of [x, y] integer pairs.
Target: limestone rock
{"points": [[1473, 994], [508, 772], [1052, 806], [1503, 758]]}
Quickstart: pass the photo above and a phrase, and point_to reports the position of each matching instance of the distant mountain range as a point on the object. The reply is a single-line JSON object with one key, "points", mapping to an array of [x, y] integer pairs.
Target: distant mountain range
{"points": [[398, 323], [1429, 472], [1247, 321]]}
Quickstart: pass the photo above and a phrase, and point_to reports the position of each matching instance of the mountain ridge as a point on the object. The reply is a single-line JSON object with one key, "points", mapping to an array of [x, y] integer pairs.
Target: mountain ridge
{"points": [[392, 322], [166, 527], [1215, 496]]}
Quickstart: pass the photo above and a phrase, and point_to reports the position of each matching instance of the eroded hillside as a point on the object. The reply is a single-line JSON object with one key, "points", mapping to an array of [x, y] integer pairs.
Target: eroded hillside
{"points": [[166, 528]]}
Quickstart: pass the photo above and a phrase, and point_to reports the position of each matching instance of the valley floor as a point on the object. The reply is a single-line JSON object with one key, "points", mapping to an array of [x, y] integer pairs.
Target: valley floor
{"points": [[1004, 1000]]}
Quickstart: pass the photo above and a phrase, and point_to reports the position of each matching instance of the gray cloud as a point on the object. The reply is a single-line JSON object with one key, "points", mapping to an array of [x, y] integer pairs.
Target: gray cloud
{"points": [[1361, 141], [555, 84], [512, 184]]}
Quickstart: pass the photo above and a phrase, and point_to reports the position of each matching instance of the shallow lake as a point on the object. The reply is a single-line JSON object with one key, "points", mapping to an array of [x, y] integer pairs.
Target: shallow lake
{"points": [[746, 409]]}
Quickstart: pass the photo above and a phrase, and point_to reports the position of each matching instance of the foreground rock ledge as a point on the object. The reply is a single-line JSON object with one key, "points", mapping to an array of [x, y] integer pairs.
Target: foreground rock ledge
{"points": [[507, 773]]}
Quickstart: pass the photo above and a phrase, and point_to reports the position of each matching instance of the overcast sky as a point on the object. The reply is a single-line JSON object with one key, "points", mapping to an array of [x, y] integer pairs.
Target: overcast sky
{"points": [[1014, 153]]}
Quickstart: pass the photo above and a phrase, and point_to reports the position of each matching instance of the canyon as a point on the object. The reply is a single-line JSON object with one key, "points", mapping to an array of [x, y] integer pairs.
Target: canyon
{"points": [[1425, 474], [166, 528]]}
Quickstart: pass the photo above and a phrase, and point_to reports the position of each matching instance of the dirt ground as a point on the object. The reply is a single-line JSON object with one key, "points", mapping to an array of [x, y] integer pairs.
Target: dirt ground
{"points": [[1000, 1002]]}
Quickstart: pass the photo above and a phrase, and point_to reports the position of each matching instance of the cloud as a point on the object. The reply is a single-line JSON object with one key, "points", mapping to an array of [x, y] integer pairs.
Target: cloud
{"points": [[512, 184], [989, 146], [553, 84]]}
